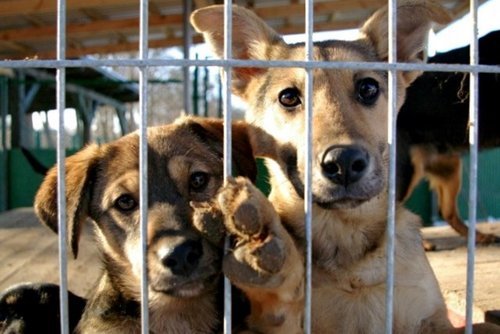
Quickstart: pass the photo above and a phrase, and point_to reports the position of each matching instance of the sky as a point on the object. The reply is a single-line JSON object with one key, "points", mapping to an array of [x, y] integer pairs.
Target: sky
{"points": [[453, 36]]}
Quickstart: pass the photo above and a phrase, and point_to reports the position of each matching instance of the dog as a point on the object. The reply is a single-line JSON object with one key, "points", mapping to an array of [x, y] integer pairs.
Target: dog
{"points": [[31, 308], [433, 129], [349, 172], [185, 170]]}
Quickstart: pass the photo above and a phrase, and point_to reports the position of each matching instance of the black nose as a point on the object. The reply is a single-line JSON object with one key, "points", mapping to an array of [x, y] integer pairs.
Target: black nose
{"points": [[344, 165], [184, 258]]}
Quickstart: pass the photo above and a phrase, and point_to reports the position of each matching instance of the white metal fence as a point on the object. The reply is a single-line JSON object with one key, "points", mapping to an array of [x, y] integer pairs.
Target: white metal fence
{"points": [[227, 63]]}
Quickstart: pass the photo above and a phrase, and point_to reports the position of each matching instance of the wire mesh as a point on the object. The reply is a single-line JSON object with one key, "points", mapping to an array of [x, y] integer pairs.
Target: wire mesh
{"points": [[227, 63]]}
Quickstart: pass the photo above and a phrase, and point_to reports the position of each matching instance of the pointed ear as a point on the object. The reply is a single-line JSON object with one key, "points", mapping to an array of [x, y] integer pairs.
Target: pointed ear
{"points": [[80, 169], [414, 20], [252, 39]]}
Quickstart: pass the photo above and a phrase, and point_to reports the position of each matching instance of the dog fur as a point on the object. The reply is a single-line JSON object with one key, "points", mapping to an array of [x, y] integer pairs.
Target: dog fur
{"points": [[102, 185], [33, 308], [350, 200], [433, 129]]}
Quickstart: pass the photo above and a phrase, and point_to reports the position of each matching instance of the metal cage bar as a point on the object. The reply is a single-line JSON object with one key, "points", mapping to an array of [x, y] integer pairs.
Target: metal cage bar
{"points": [[61, 171], [309, 56], [227, 63], [473, 142], [143, 162], [227, 115], [376, 66], [391, 139]]}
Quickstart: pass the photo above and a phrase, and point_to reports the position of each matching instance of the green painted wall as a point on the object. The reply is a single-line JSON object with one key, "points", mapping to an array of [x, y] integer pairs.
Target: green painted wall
{"points": [[488, 199], [488, 179], [23, 183]]}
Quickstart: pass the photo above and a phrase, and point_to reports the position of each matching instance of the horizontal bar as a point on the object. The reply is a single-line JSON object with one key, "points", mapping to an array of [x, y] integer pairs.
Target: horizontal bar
{"points": [[376, 66]]}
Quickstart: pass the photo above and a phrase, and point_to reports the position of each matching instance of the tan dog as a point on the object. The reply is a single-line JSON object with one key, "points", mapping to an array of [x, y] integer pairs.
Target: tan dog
{"points": [[102, 185], [350, 163]]}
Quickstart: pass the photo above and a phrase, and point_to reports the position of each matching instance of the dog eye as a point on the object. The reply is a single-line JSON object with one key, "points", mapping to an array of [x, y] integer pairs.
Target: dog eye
{"points": [[367, 91], [125, 203], [198, 181], [289, 98]]}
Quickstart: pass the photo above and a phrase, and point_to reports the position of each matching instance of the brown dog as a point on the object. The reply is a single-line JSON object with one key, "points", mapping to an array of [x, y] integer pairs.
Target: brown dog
{"points": [[102, 185], [350, 157]]}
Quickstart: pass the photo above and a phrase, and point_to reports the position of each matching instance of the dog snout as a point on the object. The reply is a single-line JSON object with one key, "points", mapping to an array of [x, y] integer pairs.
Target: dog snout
{"points": [[184, 258], [344, 165]]}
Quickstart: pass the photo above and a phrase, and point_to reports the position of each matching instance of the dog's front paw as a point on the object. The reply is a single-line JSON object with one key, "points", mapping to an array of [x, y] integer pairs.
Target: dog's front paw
{"points": [[209, 222], [251, 221], [245, 209]]}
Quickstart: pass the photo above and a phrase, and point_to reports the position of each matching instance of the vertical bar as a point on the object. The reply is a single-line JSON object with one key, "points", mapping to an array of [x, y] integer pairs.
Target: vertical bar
{"points": [[227, 73], [186, 32], [61, 172], [473, 142], [391, 140], [309, 56], [143, 162], [4, 107]]}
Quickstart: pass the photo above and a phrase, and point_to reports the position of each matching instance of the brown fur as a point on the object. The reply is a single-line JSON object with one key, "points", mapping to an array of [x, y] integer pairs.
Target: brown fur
{"points": [[349, 218], [183, 293], [443, 170]]}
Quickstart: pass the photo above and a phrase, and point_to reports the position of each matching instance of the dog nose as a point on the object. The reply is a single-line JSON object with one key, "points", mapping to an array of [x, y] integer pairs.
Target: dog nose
{"points": [[184, 258], [344, 165]]}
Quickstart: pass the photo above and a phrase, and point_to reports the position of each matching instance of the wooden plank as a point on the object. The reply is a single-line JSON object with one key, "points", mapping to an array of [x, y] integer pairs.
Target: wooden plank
{"points": [[450, 265], [272, 12], [29, 253], [16, 7], [88, 29], [110, 48]]}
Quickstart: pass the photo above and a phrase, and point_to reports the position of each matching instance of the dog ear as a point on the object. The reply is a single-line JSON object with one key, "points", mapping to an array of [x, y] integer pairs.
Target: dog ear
{"points": [[211, 130], [414, 20], [79, 174], [252, 39]]}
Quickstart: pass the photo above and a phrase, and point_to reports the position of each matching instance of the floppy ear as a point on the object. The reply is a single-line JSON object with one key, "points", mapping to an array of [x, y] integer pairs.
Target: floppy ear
{"points": [[79, 176], [414, 20], [211, 130], [252, 39]]}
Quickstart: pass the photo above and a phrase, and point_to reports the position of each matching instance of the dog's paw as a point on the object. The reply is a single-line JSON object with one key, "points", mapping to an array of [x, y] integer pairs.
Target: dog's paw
{"points": [[209, 222], [246, 210], [486, 238], [259, 251], [256, 263]]}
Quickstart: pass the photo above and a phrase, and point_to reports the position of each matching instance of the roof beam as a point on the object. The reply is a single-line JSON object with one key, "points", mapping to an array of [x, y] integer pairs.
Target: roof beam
{"points": [[74, 52], [110, 48], [91, 28], [319, 8], [14, 7], [87, 29]]}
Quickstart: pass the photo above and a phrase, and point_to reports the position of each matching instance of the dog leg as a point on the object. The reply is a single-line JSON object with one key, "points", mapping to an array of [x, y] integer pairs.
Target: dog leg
{"points": [[264, 262], [444, 174]]}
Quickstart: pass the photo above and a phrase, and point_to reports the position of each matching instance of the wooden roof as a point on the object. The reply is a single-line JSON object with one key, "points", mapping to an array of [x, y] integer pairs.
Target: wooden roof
{"points": [[28, 27]]}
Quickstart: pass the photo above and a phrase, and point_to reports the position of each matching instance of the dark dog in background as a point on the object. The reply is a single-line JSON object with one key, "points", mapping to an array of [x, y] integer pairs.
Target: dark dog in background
{"points": [[34, 309], [433, 128]]}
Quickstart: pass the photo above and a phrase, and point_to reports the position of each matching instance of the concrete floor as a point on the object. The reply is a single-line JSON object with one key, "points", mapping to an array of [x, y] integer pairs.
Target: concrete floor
{"points": [[29, 252]]}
